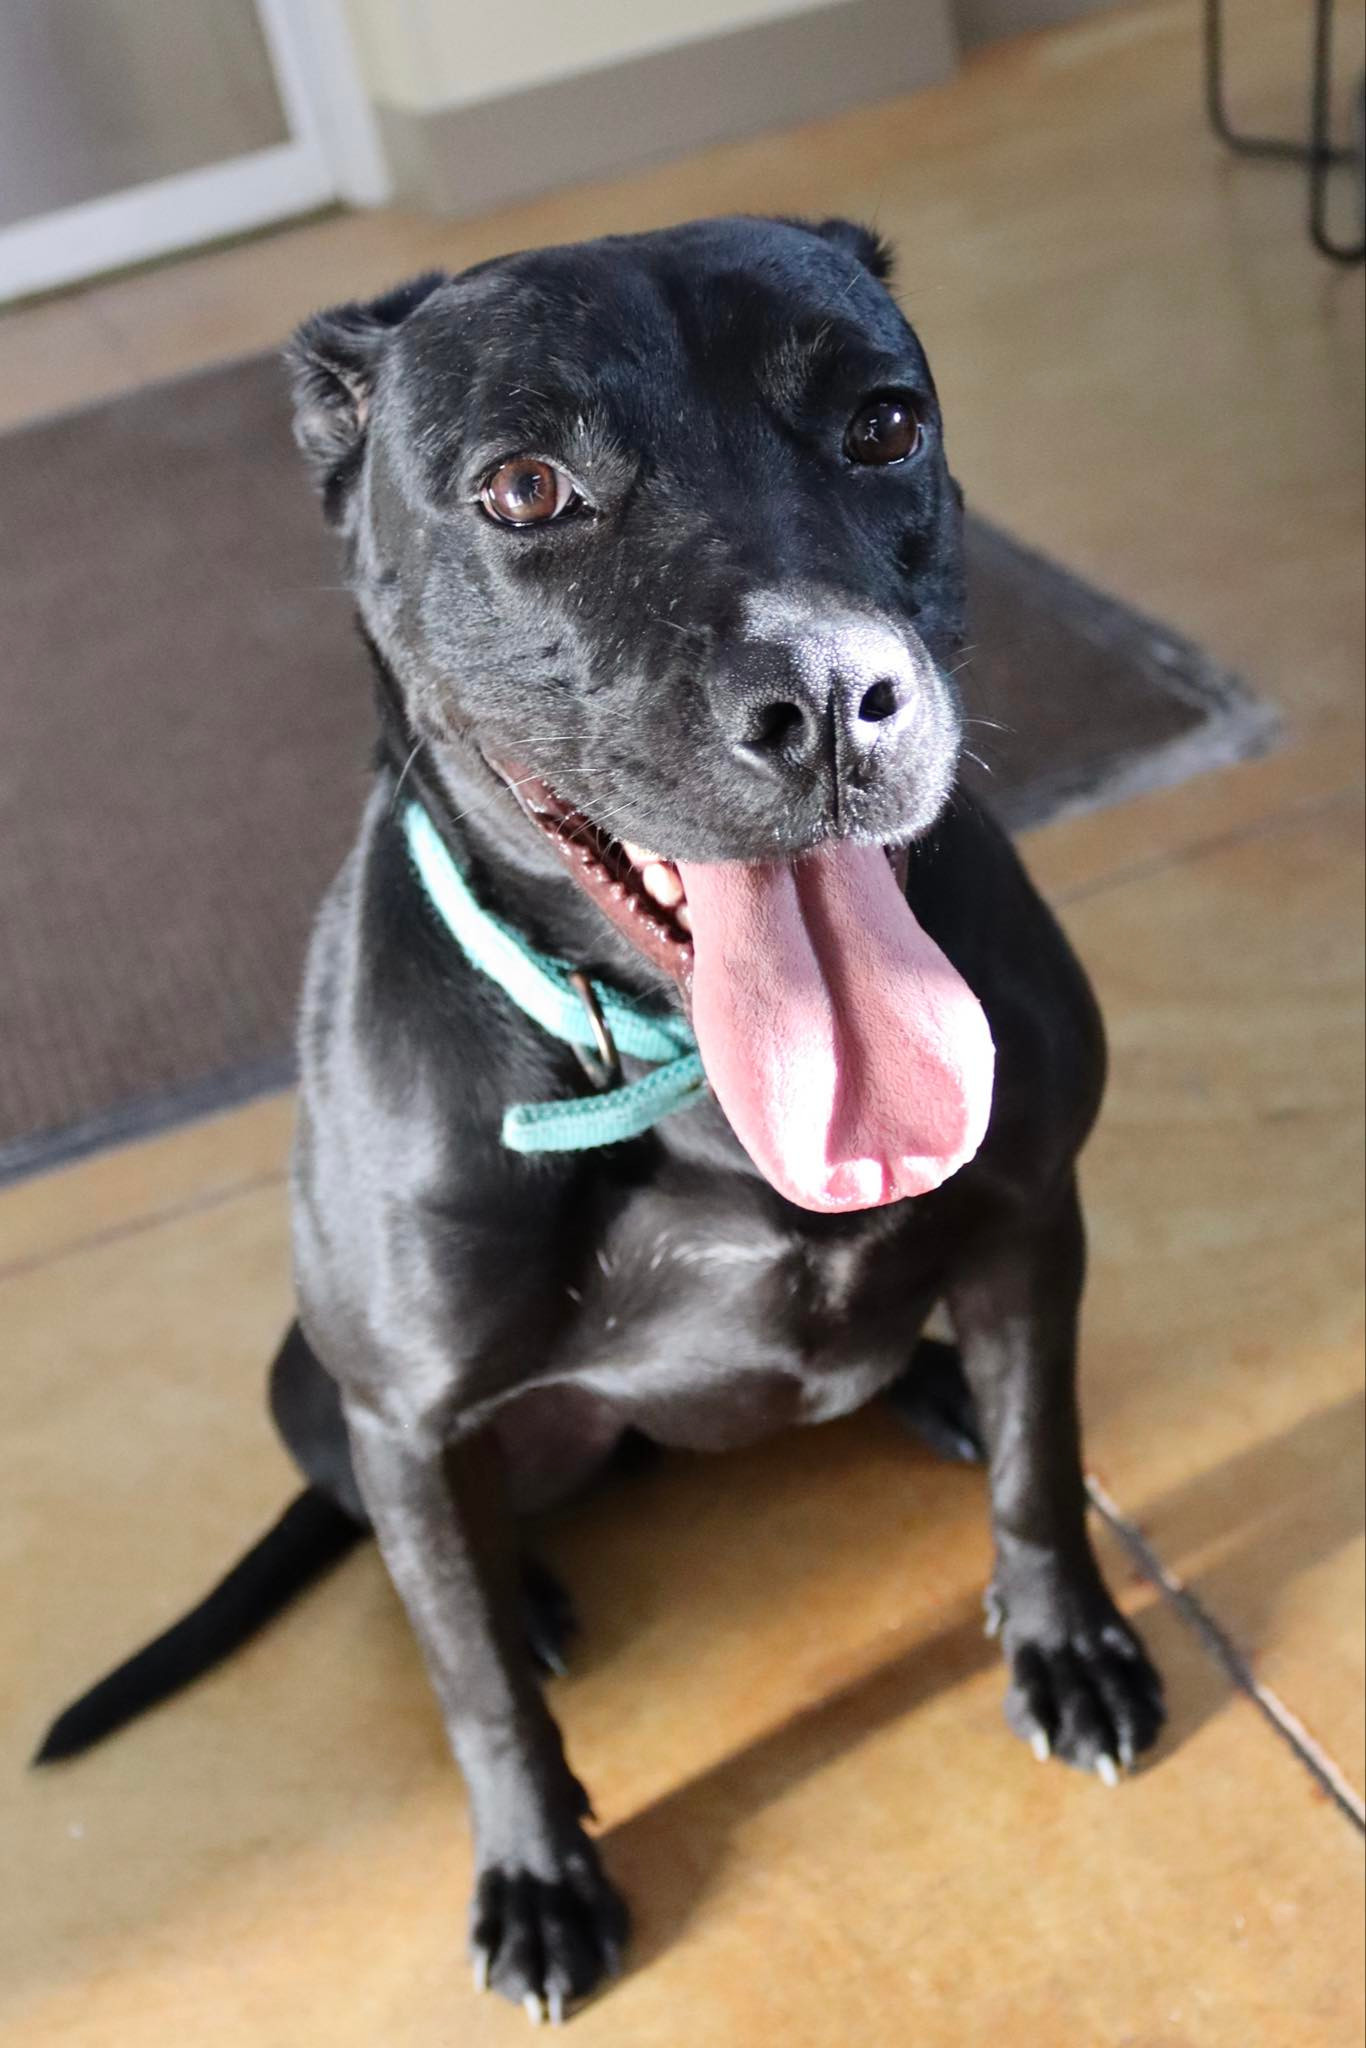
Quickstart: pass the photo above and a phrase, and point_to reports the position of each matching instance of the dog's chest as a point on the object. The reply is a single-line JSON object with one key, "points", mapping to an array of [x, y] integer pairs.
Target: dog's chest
{"points": [[710, 1324]]}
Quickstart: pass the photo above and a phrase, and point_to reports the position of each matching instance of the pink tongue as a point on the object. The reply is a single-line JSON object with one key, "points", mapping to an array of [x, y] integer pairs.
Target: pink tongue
{"points": [[852, 1061]]}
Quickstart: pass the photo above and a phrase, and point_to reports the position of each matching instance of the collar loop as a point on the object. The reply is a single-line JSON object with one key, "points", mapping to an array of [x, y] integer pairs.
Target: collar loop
{"points": [[596, 1020]]}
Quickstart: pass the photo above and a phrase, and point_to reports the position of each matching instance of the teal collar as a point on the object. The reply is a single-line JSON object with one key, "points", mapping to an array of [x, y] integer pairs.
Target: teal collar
{"points": [[585, 1014]]}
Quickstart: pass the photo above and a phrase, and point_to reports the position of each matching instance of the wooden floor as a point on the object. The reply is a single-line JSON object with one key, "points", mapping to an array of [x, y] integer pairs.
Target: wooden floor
{"points": [[784, 1705]]}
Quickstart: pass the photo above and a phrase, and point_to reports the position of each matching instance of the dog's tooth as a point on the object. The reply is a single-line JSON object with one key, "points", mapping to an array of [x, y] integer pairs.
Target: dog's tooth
{"points": [[684, 917], [660, 881]]}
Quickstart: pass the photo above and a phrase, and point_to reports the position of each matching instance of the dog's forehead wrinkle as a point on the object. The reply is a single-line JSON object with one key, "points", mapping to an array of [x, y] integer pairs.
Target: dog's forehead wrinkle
{"points": [[792, 364]]}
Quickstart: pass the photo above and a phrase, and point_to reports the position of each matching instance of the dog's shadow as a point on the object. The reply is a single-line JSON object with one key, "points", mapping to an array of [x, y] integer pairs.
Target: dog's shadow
{"points": [[1262, 1519], [668, 1856], [1242, 1533]]}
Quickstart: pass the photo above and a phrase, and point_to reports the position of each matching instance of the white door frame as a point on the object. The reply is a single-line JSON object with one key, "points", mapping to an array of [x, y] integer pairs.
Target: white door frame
{"points": [[333, 152]]}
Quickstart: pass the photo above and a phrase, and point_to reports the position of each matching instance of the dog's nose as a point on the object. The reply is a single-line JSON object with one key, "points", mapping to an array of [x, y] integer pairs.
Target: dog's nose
{"points": [[819, 700], [798, 726]]}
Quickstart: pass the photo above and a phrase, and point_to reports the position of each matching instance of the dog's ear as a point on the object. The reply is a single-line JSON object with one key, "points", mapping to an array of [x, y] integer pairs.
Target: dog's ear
{"points": [[333, 360], [862, 242]]}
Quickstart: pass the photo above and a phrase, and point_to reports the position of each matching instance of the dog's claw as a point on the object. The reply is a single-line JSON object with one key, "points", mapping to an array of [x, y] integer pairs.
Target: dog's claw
{"points": [[1087, 1696], [546, 1939]]}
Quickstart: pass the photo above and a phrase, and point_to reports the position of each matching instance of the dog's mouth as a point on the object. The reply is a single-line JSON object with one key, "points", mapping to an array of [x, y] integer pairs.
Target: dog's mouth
{"points": [[851, 1059], [640, 892]]}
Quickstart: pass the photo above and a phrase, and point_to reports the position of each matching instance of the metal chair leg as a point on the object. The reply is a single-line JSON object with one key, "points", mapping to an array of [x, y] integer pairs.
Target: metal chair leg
{"points": [[1322, 156], [1318, 154]]}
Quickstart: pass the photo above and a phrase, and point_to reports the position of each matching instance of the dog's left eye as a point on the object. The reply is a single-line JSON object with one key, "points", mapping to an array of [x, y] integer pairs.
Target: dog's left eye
{"points": [[527, 492], [886, 429]]}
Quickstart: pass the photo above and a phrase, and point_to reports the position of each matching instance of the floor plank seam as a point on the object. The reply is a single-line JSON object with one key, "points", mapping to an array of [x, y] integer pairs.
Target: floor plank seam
{"points": [[1283, 818], [115, 1233], [1289, 1728]]}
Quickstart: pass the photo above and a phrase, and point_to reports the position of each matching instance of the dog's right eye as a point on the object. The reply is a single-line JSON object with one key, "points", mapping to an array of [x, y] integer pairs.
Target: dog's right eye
{"points": [[527, 492], [886, 430]]}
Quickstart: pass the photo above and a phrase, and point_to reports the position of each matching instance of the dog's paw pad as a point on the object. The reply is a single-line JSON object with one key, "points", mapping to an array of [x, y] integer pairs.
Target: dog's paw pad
{"points": [[548, 1618], [543, 1942], [1091, 1697]]}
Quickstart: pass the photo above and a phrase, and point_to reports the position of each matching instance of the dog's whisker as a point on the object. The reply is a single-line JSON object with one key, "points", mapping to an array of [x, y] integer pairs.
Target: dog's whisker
{"points": [[403, 776], [599, 817], [480, 806]]}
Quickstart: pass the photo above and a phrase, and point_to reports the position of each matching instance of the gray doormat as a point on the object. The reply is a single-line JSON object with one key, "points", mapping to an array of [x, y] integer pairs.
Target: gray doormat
{"points": [[186, 728]]}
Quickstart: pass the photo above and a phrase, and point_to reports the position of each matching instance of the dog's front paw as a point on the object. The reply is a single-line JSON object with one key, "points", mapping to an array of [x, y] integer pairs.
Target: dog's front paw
{"points": [[545, 1940], [1085, 1691]]}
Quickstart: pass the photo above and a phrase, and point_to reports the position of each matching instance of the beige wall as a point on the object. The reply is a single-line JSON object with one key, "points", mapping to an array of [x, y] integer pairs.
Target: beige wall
{"points": [[422, 54], [484, 101]]}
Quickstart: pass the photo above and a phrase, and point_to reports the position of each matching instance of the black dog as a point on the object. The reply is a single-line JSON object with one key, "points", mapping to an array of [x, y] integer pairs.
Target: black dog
{"points": [[658, 552]]}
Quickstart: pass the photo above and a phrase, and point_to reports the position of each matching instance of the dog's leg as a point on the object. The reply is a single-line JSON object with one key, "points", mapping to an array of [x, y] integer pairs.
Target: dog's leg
{"points": [[1082, 1687], [306, 1403], [545, 1923], [933, 1400]]}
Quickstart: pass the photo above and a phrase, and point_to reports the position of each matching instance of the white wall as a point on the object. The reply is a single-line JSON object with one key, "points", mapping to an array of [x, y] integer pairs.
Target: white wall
{"points": [[423, 54]]}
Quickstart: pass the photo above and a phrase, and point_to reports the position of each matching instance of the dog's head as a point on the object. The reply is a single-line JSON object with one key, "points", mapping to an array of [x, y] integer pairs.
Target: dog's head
{"points": [[664, 519], [658, 533]]}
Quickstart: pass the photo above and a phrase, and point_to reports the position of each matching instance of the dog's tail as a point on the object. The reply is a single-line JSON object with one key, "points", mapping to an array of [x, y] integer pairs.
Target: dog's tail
{"points": [[310, 1537]]}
